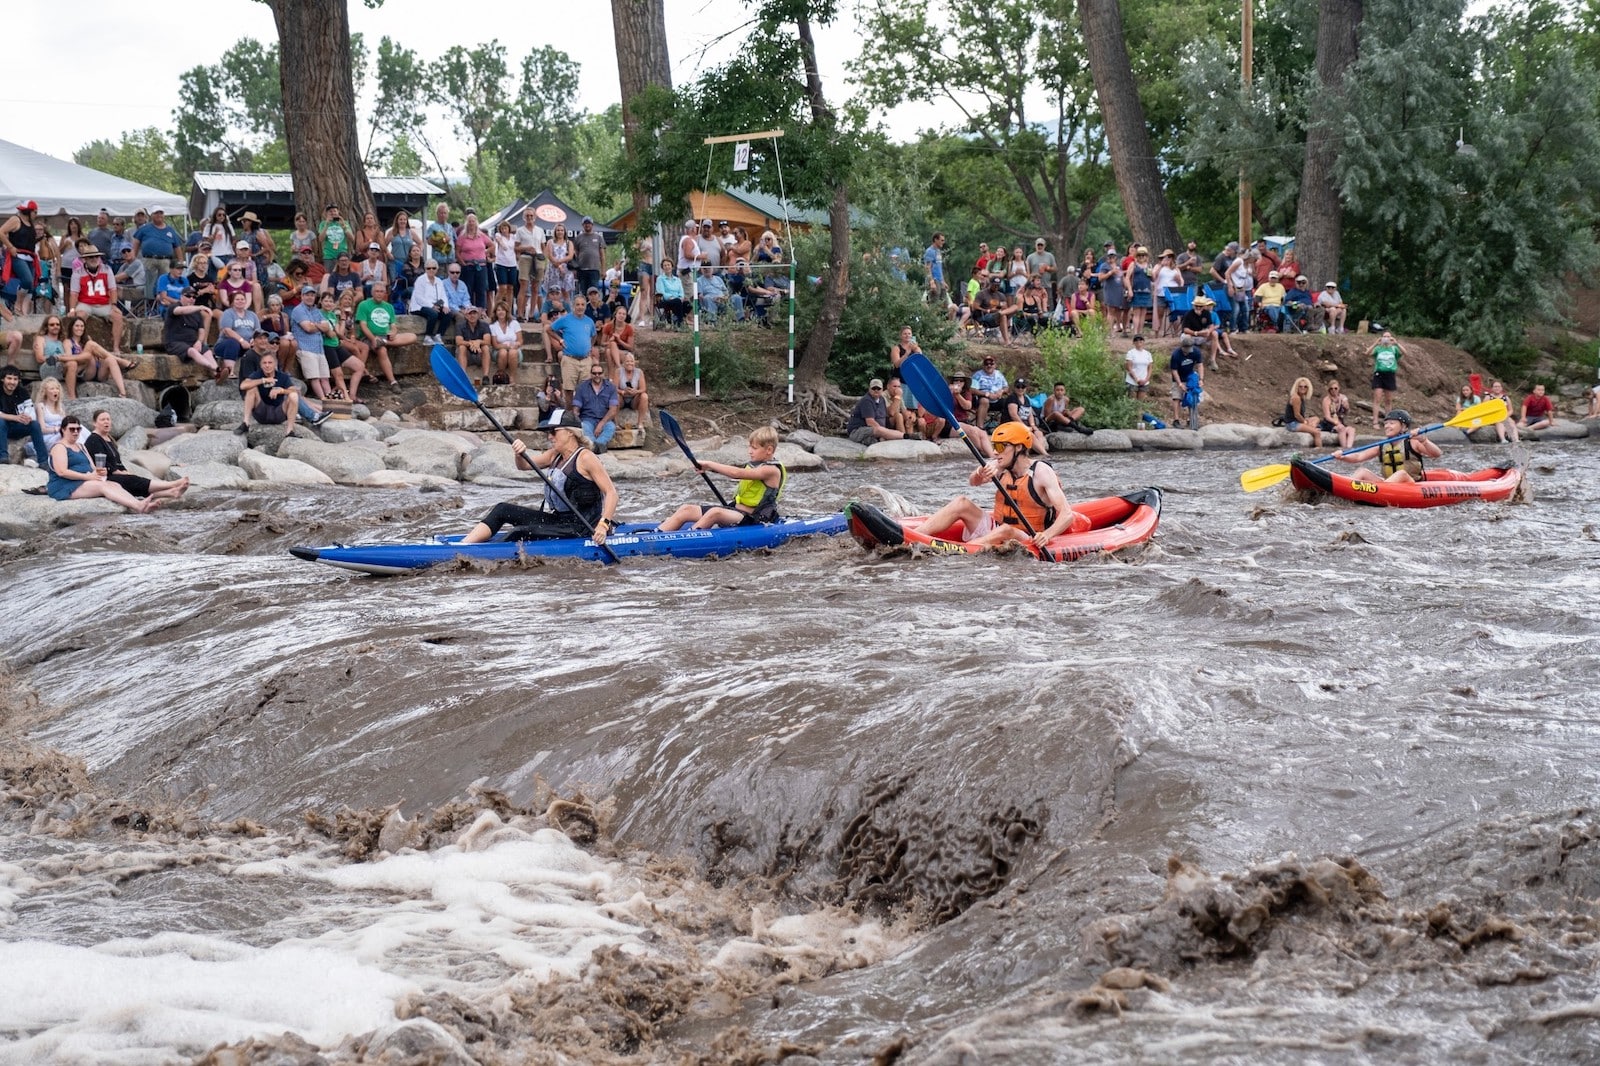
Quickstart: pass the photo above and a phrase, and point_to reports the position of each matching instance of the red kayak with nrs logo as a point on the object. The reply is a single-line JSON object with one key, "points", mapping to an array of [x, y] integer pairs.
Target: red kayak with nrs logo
{"points": [[1114, 523], [1439, 487]]}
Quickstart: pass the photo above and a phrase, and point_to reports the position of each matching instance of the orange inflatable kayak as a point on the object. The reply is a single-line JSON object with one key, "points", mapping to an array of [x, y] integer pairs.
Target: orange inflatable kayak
{"points": [[1115, 523], [1439, 488]]}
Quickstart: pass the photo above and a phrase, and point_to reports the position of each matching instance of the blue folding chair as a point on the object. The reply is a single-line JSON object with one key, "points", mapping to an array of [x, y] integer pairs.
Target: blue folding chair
{"points": [[1179, 302], [1219, 293]]}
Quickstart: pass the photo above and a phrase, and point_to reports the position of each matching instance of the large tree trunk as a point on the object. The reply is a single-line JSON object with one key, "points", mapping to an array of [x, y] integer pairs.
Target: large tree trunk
{"points": [[1132, 157], [811, 368], [319, 107], [640, 29], [1318, 229]]}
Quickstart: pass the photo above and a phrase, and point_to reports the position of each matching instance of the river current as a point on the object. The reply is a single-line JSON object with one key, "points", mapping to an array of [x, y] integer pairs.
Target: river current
{"points": [[1294, 783]]}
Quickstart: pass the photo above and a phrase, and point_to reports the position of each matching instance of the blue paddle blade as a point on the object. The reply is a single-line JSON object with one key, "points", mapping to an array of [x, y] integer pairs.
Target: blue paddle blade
{"points": [[450, 374], [928, 385], [670, 427]]}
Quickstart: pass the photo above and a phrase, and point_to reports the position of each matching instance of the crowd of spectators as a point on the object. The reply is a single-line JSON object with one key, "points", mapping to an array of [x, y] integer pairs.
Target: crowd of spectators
{"points": [[1012, 294]]}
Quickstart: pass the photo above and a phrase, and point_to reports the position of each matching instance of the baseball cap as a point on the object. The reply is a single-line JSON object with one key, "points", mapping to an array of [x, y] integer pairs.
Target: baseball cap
{"points": [[705, 222], [272, 338], [1331, 285], [875, 383], [1272, 273], [374, 246], [241, 246], [1301, 277], [308, 290], [586, 218], [561, 418], [28, 205]]}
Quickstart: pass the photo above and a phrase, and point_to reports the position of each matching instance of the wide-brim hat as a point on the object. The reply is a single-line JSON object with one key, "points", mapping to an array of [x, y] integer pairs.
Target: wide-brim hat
{"points": [[1204, 301], [249, 216]]}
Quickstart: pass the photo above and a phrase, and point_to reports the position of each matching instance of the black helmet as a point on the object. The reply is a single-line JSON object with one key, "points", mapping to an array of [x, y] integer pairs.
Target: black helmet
{"points": [[1400, 416]]}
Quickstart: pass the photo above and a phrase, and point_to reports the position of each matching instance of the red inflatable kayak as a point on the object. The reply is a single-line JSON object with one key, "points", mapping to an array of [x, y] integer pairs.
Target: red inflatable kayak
{"points": [[1115, 522], [1439, 487]]}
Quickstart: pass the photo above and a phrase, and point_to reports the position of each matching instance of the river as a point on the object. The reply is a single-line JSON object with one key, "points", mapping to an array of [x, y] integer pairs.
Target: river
{"points": [[1295, 783]]}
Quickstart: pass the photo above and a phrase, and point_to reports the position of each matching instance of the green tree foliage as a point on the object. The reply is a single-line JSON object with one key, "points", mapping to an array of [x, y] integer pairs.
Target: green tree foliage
{"points": [[535, 131], [399, 111], [986, 60], [597, 149], [1470, 241], [143, 155], [470, 85], [880, 304]]}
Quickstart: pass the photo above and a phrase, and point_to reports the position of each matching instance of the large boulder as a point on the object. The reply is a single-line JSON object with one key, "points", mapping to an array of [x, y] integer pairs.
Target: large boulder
{"points": [[218, 446], [1239, 435], [904, 450], [472, 420], [345, 464], [211, 392], [1445, 436], [263, 467], [795, 458], [346, 430], [806, 439], [16, 478], [1164, 440], [425, 454], [135, 440], [25, 516], [405, 479], [954, 448], [210, 475], [1101, 440], [493, 460], [158, 463], [125, 414], [837, 448], [464, 443], [219, 413], [638, 467], [1559, 430]]}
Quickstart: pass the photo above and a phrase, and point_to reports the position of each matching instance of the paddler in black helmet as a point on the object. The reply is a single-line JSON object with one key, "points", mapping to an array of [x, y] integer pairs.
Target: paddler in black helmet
{"points": [[1030, 482], [1400, 460], [574, 470]]}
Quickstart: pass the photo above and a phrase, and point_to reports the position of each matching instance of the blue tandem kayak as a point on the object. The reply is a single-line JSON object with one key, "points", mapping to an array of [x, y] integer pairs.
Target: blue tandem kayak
{"points": [[634, 539]]}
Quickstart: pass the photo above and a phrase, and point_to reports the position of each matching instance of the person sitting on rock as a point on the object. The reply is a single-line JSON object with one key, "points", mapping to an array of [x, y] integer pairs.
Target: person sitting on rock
{"points": [[74, 475], [375, 320], [1019, 408], [1537, 410], [1507, 426], [595, 402], [755, 501], [271, 398], [869, 419], [1299, 412], [1333, 308], [631, 390], [901, 416], [101, 442], [184, 332], [1061, 414]]}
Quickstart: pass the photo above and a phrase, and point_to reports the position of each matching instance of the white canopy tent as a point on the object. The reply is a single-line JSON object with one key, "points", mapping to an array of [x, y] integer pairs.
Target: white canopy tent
{"points": [[62, 187]]}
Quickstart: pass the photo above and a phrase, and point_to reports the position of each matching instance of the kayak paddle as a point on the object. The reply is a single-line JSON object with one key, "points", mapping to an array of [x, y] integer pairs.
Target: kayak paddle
{"points": [[456, 382], [934, 393], [675, 431], [1488, 412]]}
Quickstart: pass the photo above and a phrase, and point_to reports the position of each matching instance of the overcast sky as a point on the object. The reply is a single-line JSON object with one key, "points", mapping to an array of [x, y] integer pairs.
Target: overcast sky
{"points": [[54, 105]]}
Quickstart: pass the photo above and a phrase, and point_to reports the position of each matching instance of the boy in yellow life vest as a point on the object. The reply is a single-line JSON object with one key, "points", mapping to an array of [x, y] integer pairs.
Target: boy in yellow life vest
{"points": [[1400, 460], [1030, 482], [755, 501]]}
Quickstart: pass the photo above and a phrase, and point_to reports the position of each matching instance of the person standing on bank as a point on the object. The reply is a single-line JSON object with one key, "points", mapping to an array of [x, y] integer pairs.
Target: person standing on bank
{"points": [[576, 473], [1386, 355]]}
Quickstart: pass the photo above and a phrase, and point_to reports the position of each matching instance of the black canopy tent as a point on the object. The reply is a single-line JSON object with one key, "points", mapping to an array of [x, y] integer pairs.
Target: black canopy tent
{"points": [[548, 209]]}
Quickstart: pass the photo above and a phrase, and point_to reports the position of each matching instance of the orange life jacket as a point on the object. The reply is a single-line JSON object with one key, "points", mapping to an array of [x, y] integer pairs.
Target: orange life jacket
{"points": [[1031, 504]]}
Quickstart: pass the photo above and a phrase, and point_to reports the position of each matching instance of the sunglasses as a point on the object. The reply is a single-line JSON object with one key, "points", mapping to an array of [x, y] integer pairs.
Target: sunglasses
{"points": [[432, 267], [71, 429], [455, 273]]}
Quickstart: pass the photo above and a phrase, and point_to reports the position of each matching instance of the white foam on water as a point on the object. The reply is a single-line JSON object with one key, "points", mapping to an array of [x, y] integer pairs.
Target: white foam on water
{"points": [[501, 905], [152, 999]]}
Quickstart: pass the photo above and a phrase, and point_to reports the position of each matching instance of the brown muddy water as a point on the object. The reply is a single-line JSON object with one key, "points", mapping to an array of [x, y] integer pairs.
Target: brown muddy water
{"points": [[1293, 784]]}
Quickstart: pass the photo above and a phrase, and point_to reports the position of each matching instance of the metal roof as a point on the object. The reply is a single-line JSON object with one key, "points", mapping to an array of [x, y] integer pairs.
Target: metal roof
{"points": [[221, 181]]}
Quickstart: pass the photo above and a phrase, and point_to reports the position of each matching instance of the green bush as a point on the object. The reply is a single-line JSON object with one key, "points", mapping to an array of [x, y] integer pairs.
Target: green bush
{"points": [[724, 368], [1092, 373], [878, 306]]}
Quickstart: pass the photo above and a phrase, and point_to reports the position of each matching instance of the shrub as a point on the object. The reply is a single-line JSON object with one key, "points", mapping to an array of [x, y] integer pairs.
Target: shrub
{"points": [[1092, 372], [724, 368], [879, 304]]}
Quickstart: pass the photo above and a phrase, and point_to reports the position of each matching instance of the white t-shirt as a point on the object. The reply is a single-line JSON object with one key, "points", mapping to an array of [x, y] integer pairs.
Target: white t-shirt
{"points": [[1168, 278], [508, 337], [1138, 361], [529, 236]]}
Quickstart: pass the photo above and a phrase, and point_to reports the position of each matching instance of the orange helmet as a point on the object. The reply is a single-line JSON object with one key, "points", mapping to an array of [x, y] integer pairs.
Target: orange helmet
{"points": [[1012, 433]]}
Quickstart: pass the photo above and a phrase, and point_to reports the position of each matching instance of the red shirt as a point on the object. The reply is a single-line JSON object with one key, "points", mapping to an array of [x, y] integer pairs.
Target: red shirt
{"points": [[1537, 406], [96, 289]]}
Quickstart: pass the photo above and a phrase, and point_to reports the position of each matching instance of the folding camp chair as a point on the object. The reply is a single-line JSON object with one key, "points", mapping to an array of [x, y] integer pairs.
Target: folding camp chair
{"points": [[1179, 302]]}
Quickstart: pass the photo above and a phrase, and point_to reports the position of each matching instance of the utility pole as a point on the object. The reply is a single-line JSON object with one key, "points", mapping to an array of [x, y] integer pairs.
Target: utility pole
{"points": [[1246, 63]]}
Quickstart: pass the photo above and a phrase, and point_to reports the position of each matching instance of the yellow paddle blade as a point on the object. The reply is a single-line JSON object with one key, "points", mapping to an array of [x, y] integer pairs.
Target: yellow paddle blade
{"points": [[1263, 477], [1486, 413]]}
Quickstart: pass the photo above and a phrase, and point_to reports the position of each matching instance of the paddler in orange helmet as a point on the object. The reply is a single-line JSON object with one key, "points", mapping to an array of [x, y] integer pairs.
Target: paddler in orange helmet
{"points": [[1029, 481]]}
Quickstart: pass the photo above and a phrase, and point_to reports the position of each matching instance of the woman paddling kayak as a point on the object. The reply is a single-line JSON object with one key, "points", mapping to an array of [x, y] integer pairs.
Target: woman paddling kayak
{"points": [[579, 493]]}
